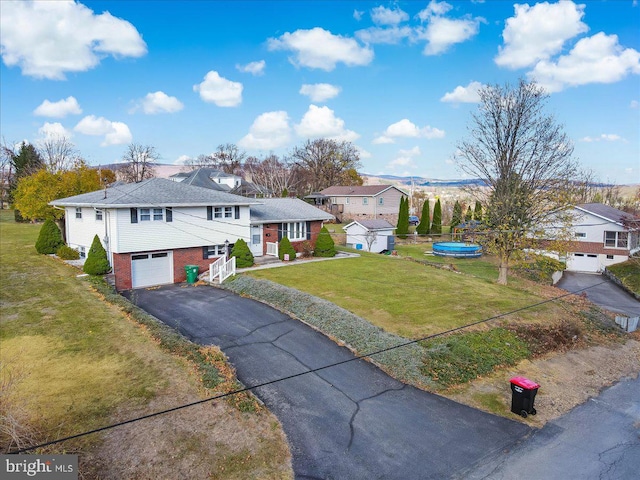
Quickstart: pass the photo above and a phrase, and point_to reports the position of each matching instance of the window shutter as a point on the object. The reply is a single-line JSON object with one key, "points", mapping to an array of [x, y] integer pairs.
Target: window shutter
{"points": [[280, 227], [308, 230], [134, 215], [205, 253], [169, 214], [237, 211], [209, 213]]}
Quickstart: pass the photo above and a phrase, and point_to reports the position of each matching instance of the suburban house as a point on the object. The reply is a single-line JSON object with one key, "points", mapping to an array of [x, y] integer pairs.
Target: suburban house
{"points": [[152, 229], [366, 201], [221, 181], [603, 236], [370, 235]]}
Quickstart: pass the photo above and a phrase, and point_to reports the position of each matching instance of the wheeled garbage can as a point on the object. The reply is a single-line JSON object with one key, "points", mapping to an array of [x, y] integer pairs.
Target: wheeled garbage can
{"points": [[523, 394], [192, 273]]}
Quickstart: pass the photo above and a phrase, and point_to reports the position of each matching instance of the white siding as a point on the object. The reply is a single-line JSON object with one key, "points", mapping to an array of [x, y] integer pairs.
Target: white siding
{"points": [[356, 235], [80, 231], [594, 228], [189, 228]]}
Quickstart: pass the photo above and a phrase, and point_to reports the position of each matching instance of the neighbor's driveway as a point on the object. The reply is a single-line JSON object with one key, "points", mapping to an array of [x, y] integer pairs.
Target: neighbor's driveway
{"points": [[346, 422], [601, 291]]}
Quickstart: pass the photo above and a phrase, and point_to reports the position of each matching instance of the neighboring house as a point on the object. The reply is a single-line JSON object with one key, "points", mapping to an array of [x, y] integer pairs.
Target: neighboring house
{"points": [[221, 181], [370, 235], [360, 202], [152, 229], [603, 236]]}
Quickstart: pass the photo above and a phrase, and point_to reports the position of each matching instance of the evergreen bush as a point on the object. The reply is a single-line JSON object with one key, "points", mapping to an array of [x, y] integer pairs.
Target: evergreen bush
{"points": [[97, 262], [325, 246], [242, 252], [469, 215], [456, 217], [436, 225], [285, 247], [49, 239], [477, 212], [424, 227], [67, 253], [402, 228]]}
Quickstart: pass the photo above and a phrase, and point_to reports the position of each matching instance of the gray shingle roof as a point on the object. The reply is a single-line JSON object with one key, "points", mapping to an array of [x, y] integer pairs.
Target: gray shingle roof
{"points": [[607, 212], [364, 190], [377, 224], [155, 192], [202, 178], [286, 210]]}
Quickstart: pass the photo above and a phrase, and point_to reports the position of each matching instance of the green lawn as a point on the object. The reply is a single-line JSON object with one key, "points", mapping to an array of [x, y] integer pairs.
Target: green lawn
{"points": [[628, 273], [407, 298]]}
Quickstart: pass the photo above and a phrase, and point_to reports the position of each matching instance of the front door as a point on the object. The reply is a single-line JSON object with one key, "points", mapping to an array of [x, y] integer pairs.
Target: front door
{"points": [[256, 240]]}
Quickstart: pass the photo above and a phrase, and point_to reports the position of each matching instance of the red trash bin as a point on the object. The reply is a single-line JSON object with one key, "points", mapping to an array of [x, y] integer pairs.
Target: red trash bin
{"points": [[523, 395]]}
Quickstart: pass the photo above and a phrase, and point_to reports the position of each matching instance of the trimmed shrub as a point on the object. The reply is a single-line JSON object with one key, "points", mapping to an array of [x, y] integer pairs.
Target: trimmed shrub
{"points": [[244, 257], [307, 249], [325, 246], [97, 262], [67, 253], [424, 227], [284, 248], [50, 238]]}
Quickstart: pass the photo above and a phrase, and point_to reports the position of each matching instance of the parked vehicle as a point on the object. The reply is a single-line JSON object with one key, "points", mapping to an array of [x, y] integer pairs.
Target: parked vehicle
{"points": [[413, 220]]}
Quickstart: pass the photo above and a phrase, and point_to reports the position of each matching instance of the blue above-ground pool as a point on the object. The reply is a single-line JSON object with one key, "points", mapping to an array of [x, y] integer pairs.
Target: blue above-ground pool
{"points": [[457, 249]]}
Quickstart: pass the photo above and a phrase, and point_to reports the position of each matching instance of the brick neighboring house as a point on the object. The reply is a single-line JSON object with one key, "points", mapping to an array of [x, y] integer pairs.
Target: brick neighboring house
{"points": [[360, 202], [152, 229], [603, 236]]}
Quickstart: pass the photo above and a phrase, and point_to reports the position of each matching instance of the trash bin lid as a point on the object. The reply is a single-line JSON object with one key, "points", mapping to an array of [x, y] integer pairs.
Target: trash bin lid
{"points": [[524, 383]]}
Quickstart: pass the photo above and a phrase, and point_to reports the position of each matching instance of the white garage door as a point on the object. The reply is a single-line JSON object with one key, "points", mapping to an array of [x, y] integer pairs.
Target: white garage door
{"points": [[151, 269], [583, 262]]}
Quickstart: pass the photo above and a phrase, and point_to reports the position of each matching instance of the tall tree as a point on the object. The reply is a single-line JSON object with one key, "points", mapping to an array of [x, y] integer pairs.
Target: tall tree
{"points": [[26, 161], [321, 163], [402, 228], [424, 227], [525, 158], [138, 163], [58, 153], [456, 216], [477, 211], [468, 216], [436, 224], [272, 172]]}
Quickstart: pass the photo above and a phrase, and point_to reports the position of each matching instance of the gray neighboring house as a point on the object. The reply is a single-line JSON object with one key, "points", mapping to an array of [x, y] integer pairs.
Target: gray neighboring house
{"points": [[221, 181], [370, 235]]}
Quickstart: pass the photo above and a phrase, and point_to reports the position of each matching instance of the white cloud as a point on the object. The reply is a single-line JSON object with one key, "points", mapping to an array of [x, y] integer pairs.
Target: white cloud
{"points": [[596, 59], [441, 32], [182, 160], [115, 133], [269, 130], [387, 16], [321, 122], [49, 39], [319, 48], [59, 109], [159, 102], [460, 94], [254, 68], [390, 36], [52, 131], [357, 14], [319, 92], [606, 137], [405, 158], [539, 32], [634, 104], [407, 129], [219, 90], [362, 152]]}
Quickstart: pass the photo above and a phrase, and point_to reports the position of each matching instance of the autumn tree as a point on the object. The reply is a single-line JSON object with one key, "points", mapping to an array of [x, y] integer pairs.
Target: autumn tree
{"points": [[321, 163], [525, 158], [138, 163]]}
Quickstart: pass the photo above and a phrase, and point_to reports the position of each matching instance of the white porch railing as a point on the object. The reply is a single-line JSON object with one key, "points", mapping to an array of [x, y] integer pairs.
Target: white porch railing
{"points": [[222, 269], [272, 249]]}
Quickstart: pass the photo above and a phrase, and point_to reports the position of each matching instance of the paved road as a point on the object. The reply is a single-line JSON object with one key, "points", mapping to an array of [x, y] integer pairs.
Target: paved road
{"points": [[604, 292], [347, 422], [597, 440]]}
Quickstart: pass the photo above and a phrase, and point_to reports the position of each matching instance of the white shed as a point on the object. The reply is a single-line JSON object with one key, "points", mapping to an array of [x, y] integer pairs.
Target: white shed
{"points": [[370, 235]]}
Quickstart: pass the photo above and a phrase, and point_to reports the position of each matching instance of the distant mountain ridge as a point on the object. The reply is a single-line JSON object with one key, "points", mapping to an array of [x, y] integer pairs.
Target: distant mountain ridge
{"points": [[427, 182]]}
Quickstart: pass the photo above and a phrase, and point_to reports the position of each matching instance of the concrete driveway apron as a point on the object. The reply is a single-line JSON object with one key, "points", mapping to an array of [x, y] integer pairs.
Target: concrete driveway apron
{"points": [[601, 291], [351, 421]]}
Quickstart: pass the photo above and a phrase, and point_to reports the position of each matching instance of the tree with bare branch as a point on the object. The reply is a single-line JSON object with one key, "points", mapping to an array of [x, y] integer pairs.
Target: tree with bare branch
{"points": [[274, 173], [138, 163], [525, 158], [58, 153]]}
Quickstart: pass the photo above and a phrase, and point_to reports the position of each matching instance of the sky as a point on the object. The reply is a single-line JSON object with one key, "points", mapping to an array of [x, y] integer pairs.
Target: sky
{"points": [[397, 79]]}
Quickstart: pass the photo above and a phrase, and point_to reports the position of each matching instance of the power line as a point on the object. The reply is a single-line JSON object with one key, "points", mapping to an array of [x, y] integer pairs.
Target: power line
{"points": [[289, 377]]}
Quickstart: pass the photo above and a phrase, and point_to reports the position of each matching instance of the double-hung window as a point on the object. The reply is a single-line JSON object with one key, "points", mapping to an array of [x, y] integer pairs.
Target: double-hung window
{"points": [[99, 215], [147, 214], [78, 212]]}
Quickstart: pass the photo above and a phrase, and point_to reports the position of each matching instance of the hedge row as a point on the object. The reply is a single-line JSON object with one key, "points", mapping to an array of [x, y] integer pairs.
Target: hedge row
{"points": [[356, 333]]}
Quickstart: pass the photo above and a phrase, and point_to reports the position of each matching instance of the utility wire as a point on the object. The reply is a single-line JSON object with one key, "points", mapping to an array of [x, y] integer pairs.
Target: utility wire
{"points": [[289, 377]]}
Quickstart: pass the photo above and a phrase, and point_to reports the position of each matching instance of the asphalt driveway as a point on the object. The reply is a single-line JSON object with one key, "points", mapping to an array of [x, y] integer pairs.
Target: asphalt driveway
{"points": [[351, 421], [601, 291]]}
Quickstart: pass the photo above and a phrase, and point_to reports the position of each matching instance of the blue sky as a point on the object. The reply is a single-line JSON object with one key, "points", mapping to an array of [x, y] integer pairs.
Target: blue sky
{"points": [[398, 79]]}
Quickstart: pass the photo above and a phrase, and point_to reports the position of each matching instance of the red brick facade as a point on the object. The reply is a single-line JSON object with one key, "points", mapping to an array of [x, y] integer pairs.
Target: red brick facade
{"points": [[270, 234]]}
